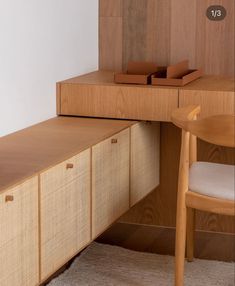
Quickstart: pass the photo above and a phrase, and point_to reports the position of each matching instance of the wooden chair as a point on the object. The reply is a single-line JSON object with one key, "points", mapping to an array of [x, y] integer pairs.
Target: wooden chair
{"points": [[203, 186]]}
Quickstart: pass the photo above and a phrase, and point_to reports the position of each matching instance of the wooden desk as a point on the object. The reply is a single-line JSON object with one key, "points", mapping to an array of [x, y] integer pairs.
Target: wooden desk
{"points": [[214, 94], [96, 95]]}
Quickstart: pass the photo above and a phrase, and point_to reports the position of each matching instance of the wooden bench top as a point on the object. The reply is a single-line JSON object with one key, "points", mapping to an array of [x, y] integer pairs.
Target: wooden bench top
{"points": [[207, 82]]}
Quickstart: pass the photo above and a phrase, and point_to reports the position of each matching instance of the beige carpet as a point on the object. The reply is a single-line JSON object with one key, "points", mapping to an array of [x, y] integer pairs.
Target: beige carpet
{"points": [[103, 265]]}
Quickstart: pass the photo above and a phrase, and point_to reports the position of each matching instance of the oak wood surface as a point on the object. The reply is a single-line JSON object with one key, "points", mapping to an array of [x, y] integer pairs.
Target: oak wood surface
{"points": [[27, 152], [211, 102], [110, 181], [166, 31], [65, 212], [110, 8], [110, 49], [183, 31], [134, 31], [139, 103], [157, 46], [210, 204], [181, 210], [19, 244], [214, 43]]}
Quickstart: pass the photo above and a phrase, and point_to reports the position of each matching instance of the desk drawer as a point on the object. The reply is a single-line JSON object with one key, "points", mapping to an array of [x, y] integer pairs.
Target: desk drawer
{"points": [[211, 102], [65, 213], [110, 181], [117, 101]]}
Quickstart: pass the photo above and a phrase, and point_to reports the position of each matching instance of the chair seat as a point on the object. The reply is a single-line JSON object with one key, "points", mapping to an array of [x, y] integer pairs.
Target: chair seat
{"points": [[213, 180]]}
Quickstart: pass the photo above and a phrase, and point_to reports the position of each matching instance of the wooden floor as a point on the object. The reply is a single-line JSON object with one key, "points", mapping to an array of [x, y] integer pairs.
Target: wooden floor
{"points": [[161, 240]]}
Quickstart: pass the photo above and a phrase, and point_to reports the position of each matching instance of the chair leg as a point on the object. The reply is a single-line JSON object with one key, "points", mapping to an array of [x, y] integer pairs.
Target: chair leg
{"points": [[180, 245], [190, 233]]}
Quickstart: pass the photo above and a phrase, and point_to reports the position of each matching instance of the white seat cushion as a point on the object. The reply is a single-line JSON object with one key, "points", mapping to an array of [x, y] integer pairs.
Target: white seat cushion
{"points": [[213, 180]]}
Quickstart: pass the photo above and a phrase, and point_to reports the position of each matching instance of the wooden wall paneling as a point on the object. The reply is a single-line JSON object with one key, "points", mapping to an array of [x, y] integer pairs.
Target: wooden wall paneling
{"points": [[110, 8], [110, 24], [134, 30], [215, 39], [158, 31], [183, 31], [166, 31], [110, 43]]}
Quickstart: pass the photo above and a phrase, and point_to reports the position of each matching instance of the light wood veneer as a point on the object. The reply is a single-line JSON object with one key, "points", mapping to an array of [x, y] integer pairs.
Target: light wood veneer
{"points": [[96, 95], [28, 152], [214, 94]]}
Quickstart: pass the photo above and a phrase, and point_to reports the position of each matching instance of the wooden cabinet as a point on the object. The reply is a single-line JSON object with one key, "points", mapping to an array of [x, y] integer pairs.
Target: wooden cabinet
{"points": [[110, 181], [65, 212], [145, 159], [19, 235]]}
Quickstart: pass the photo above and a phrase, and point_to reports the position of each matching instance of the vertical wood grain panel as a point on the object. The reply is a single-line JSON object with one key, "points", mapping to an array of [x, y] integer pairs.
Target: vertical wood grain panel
{"points": [[215, 39], [134, 30], [110, 8], [110, 44], [167, 31], [211, 102], [158, 31], [183, 31]]}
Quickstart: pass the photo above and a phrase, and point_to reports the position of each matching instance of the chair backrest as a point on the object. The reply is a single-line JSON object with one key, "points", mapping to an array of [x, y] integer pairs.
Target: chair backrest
{"points": [[218, 129]]}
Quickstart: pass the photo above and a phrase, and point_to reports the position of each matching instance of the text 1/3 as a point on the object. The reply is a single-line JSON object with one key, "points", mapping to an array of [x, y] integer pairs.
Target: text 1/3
{"points": [[216, 13]]}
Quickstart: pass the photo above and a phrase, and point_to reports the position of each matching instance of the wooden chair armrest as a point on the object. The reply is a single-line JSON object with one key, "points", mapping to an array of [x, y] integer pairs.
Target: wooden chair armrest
{"points": [[182, 115]]}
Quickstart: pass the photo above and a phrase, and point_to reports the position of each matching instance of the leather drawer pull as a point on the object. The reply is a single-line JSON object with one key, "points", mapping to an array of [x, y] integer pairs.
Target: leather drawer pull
{"points": [[114, 141], [69, 166], [9, 198]]}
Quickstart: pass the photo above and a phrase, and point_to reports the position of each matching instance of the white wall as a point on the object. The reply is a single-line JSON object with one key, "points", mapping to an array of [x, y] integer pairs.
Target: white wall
{"points": [[42, 42]]}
